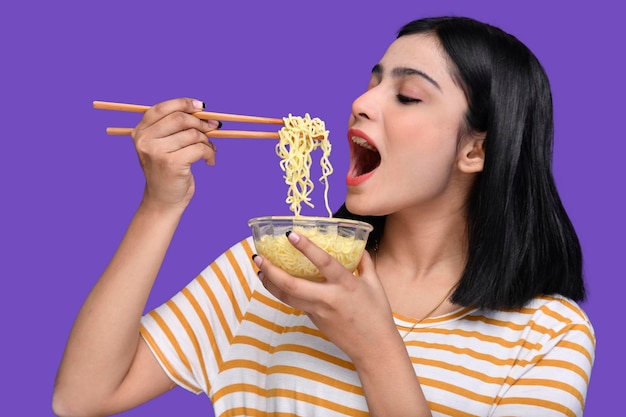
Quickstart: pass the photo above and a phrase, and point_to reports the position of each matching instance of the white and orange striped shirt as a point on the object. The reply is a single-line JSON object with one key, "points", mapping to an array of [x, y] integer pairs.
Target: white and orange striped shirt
{"points": [[226, 336]]}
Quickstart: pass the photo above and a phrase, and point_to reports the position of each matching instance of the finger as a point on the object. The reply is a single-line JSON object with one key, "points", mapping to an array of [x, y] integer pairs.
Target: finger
{"points": [[273, 289], [180, 140], [183, 139], [296, 292], [193, 153], [161, 110], [328, 266], [174, 123], [366, 265]]}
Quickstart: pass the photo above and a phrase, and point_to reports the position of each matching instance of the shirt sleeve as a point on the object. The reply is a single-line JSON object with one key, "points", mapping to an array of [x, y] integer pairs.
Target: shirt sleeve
{"points": [[191, 333], [551, 376]]}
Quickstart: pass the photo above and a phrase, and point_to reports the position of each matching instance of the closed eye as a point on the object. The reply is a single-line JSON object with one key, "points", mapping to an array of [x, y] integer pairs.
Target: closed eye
{"points": [[406, 100]]}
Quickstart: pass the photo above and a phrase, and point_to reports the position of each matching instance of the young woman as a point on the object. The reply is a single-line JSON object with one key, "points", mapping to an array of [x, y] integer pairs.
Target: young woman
{"points": [[465, 304]]}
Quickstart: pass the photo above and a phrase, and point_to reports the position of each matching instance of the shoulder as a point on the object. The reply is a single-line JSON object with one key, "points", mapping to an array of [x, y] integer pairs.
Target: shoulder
{"points": [[237, 258], [557, 310], [545, 319], [242, 250], [231, 275], [565, 319], [541, 309]]}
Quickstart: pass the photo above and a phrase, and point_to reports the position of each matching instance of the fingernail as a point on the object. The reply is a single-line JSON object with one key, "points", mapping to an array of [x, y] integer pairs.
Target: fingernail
{"points": [[260, 275], [257, 259], [214, 124], [219, 126], [292, 237], [198, 104]]}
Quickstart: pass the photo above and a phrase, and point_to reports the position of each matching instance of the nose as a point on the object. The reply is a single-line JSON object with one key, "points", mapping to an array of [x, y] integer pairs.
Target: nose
{"points": [[364, 106]]}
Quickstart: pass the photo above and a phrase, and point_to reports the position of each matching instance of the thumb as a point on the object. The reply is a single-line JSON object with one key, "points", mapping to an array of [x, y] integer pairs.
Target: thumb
{"points": [[366, 266]]}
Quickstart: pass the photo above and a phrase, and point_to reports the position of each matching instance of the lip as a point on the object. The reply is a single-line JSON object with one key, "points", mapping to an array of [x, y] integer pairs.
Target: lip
{"points": [[354, 181], [351, 180], [356, 132]]}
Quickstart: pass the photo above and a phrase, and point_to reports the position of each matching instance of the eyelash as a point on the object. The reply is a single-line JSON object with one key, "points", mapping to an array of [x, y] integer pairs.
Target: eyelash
{"points": [[407, 100]]}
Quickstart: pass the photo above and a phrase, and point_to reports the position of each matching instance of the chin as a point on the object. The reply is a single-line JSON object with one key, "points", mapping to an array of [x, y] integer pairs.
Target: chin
{"points": [[353, 206], [362, 206]]}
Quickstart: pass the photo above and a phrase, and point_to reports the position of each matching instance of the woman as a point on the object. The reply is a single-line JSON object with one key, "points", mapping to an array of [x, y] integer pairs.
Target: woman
{"points": [[470, 283]]}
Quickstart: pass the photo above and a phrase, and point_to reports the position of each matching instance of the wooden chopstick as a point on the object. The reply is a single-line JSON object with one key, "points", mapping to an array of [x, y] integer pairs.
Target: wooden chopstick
{"points": [[125, 131], [205, 115]]}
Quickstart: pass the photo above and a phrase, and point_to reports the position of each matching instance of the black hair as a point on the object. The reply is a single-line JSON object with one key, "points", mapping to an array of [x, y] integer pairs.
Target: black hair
{"points": [[522, 243]]}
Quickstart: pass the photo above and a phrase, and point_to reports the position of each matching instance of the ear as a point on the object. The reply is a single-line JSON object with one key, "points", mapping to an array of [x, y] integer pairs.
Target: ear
{"points": [[471, 157]]}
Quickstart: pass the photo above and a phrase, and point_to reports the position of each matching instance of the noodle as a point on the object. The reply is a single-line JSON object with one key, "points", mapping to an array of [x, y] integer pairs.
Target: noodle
{"points": [[298, 138]]}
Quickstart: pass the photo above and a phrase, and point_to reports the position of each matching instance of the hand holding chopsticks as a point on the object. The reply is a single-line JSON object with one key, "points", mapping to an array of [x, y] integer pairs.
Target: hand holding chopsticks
{"points": [[136, 108]]}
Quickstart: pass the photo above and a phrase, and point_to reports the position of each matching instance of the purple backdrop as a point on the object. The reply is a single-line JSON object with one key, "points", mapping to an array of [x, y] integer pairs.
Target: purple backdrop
{"points": [[68, 190]]}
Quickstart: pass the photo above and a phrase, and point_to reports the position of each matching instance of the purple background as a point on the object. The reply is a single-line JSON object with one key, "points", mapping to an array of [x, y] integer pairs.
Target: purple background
{"points": [[68, 190]]}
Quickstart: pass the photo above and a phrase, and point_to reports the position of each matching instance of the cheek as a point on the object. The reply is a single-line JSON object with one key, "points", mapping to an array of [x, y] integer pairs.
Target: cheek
{"points": [[425, 143], [430, 169], [427, 159]]}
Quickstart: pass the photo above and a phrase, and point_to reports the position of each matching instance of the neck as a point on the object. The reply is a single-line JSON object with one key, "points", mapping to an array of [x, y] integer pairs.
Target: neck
{"points": [[420, 247]]}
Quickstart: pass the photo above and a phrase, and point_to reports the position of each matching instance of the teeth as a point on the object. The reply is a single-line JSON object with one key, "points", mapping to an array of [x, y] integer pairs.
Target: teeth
{"points": [[362, 142]]}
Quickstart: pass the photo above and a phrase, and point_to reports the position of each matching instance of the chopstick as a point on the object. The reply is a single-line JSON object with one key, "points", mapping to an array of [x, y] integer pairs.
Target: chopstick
{"points": [[204, 115], [138, 108], [126, 131]]}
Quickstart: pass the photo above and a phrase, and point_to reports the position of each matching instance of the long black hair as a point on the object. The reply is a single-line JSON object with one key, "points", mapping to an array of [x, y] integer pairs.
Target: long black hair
{"points": [[521, 241]]}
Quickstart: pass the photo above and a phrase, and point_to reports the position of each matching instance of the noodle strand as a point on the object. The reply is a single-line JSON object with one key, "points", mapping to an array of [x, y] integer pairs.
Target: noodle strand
{"points": [[298, 139]]}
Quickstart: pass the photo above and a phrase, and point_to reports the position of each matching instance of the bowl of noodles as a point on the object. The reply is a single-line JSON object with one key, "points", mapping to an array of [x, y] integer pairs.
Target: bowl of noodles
{"points": [[343, 239]]}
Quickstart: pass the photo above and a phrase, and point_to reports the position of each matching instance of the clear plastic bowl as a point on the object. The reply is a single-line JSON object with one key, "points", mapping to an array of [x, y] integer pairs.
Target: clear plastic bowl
{"points": [[343, 239]]}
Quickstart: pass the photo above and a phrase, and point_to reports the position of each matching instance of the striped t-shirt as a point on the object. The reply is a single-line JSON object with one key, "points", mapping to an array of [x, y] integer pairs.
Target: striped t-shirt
{"points": [[226, 336]]}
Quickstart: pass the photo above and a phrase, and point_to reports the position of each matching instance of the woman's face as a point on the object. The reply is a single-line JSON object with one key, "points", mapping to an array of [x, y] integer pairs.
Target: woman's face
{"points": [[411, 115]]}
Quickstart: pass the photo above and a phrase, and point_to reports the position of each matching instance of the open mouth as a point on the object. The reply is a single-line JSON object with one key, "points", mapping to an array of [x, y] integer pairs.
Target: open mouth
{"points": [[365, 157]]}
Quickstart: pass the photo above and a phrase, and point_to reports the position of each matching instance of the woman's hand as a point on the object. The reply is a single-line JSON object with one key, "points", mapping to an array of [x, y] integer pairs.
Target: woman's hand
{"points": [[353, 312], [169, 139]]}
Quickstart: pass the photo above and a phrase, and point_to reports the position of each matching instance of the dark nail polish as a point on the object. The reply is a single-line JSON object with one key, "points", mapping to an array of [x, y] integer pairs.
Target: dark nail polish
{"points": [[254, 256], [219, 126], [288, 233]]}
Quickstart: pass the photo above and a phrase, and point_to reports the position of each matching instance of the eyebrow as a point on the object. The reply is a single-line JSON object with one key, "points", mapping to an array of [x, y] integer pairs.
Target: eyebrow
{"points": [[400, 72]]}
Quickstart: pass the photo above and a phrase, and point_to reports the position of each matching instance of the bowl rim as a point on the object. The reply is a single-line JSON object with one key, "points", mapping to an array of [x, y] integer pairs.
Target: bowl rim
{"points": [[314, 219]]}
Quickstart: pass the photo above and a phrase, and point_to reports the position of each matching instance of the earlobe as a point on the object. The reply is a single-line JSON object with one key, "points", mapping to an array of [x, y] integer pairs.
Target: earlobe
{"points": [[472, 155]]}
